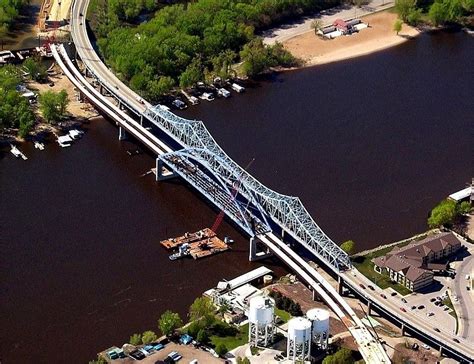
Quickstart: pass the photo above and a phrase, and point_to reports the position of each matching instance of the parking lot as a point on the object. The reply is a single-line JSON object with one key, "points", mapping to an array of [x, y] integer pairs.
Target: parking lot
{"points": [[188, 353]]}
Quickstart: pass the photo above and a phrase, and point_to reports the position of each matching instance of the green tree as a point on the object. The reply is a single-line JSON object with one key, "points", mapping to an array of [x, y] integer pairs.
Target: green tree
{"points": [[397, 26], [53, 105], [192, 74], [243, 360], [442, 214], [221, 349], [99, 360], [136, 339], [414, 17], [348, 246], [464, 208], [342, 356], [35, 69], [255, 57], [438, 13], [194, 327], [149, 337], [404, 7], [202, 309], [157, 88], [168, 322], [202, 336]]}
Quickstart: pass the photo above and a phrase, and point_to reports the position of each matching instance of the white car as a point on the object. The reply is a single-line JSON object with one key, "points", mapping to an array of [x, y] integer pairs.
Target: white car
{"points": [[426, 347]]}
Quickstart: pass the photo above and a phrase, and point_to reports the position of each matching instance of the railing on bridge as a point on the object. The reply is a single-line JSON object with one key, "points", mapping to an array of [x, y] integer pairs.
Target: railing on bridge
{"points": [[287, 211]]}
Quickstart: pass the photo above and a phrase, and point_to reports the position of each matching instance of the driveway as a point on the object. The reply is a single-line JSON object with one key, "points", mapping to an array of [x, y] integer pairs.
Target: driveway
{"points": [[328, 16]]}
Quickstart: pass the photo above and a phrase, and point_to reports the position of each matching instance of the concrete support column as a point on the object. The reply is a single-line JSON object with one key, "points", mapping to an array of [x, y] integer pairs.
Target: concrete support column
{"points": [[141, 120], [161, 174], [86, 72], [440, 351], [101, 89], [122, 133], [340, 286], [315, 295], [254, 254], [403, 329], [369, 308]]}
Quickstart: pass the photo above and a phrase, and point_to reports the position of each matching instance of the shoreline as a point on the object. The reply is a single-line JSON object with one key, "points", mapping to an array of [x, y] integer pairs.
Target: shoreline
{"points": [[379, 36]]}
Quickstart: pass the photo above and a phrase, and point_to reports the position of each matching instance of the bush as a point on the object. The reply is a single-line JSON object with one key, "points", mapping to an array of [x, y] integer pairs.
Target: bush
{"points": [[194, 327], [136, 339], [221, 349], [168, 322], [148, 337], [223, 329], [202, 336]]}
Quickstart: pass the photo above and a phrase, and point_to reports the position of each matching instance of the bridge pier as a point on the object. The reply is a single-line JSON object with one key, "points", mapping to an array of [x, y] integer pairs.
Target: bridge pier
{"points": [[254, 254], [369, 308], [122, 133], [340, 286], [403, 329], [141, 119], [161, 173]]}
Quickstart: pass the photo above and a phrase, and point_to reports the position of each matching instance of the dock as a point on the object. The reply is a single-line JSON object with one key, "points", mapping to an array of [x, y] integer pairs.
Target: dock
{"points": [[199, 244]]}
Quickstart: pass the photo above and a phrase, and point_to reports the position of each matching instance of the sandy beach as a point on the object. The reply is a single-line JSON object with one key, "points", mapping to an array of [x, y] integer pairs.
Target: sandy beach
{"points": [[380, 35]]}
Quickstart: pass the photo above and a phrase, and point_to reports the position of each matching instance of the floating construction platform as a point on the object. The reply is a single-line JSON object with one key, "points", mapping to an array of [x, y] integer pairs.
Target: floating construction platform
{"points": [[200, 244]]}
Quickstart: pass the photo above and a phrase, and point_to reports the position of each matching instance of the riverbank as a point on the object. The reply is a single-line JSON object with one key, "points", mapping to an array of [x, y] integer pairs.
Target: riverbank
{"points": [[78, 111], [314, 50]]}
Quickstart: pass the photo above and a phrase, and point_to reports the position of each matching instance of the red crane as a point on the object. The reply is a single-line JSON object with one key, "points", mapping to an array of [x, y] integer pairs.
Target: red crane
{"points": [[235, 190]]}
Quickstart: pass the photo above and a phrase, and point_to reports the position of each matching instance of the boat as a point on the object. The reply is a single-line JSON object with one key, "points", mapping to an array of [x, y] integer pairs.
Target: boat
{"points": [[17, 153], [194, 100], [182, 252], [177, 103], [75, 134], [223, 92], [39, 145], [236, 87], [64, 141], [207, 96]]}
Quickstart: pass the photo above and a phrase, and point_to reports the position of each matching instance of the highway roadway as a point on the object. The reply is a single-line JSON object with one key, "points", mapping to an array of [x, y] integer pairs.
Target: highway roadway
{"points": [[138, 105], [425, 326]]}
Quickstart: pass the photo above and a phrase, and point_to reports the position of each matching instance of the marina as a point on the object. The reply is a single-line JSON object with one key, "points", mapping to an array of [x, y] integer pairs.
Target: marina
{"points": [[200, 244]]}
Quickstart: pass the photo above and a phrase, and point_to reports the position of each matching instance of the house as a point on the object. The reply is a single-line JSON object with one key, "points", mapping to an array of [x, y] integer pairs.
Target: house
{"points": [[413, 265]]}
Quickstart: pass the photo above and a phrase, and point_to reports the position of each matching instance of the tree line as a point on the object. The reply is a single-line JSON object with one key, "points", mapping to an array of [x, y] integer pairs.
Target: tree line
{"points": [[15, 110], [437, 12], [197, 41], [9, 11]]}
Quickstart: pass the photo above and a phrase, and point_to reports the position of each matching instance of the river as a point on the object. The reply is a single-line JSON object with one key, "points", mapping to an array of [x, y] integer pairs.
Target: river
{"points": [[370, 145]]}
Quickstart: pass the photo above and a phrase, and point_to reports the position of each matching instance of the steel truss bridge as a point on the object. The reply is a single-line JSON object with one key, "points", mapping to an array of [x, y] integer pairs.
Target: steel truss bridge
{"points": [[259, 208]]}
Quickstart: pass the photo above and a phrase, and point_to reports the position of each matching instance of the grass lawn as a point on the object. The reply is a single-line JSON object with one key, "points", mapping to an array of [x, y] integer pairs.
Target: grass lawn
{"points": [[285, 316], [447, 302], [231, 342]]}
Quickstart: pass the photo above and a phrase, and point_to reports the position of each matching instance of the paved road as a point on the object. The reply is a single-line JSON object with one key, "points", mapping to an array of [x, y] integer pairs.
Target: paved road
{"points": [[465, 304], [327, 17]]}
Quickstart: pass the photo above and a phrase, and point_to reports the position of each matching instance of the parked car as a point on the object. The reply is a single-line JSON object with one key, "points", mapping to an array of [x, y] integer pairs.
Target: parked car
{"points": [[371, 287], [177, 103], [430, 313], [420, 307], [403, 309], [426, 347], [383, 296], [456, 340], [433, 299], [413, 307], [393, 294], [404, 300], [362, 286], [436, 329]]}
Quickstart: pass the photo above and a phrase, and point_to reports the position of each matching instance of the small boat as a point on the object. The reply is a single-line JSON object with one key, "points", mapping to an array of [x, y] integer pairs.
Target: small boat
{"points": [[207, 96], [17, 152], [236, 87], [223, 92], [75, 134], [177, 103], [193, 100], [64, 141], [39, 145]]}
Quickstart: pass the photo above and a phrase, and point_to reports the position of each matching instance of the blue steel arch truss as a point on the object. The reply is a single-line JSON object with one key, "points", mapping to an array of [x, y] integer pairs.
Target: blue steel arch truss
{"points": [[287, 211]]}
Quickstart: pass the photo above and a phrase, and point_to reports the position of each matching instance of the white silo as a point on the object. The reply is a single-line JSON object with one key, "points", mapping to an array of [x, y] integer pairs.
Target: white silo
{"points": [[261, 314], [320, 326], [299, 339]]}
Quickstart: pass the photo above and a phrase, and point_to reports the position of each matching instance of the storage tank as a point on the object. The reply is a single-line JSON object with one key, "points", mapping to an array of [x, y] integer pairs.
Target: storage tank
{"points": [[299, 339], [261, 315], [320, 326], [267, 279]]}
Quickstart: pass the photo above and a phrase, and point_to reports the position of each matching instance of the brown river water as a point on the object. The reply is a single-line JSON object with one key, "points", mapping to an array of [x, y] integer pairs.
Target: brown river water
{"points": [[370, 145]]}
